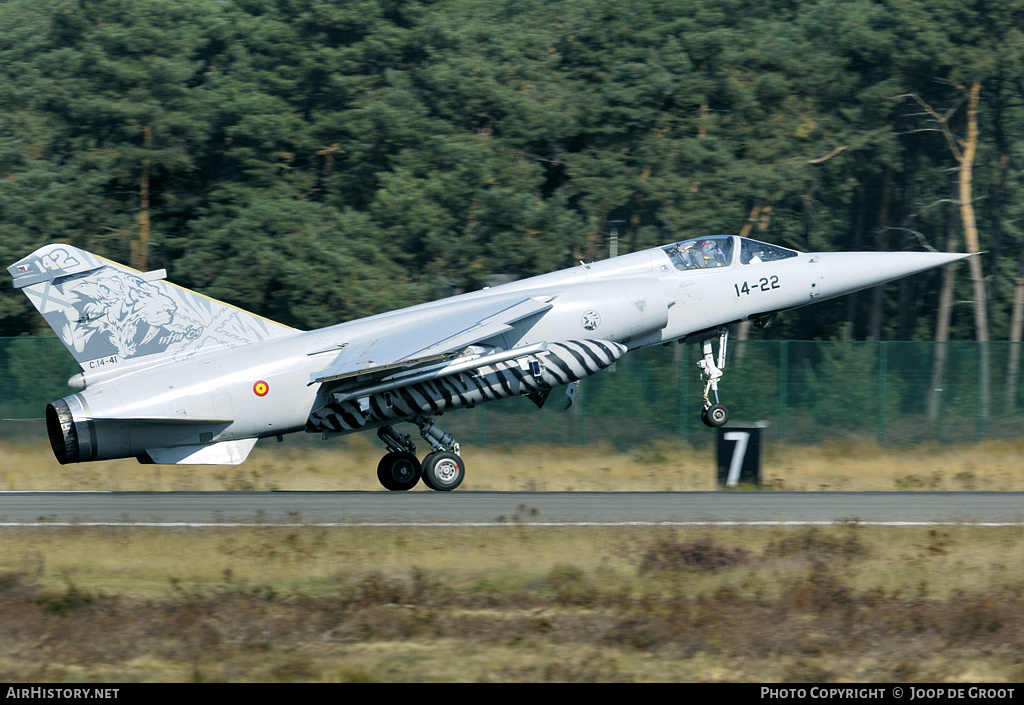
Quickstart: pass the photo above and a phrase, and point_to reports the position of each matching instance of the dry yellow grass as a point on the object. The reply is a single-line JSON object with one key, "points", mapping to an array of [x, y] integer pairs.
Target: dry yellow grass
{"points": [[147, 562], [517, 603], [847, 603], [350, 464]]}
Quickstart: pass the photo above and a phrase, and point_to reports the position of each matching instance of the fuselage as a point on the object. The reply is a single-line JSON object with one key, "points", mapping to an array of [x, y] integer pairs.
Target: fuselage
{"points": [[637, 300]]}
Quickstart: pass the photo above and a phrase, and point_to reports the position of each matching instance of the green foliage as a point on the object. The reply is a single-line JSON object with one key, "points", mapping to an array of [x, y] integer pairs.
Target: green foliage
{"points": [[305, 264], [835, 395], [32, 373], [321, 161]]}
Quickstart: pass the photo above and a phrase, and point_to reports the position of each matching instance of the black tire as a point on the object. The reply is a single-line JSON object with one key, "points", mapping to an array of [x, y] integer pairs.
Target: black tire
{"points": [[399, 471], [423, 476], [443, 471], [715, 416]]}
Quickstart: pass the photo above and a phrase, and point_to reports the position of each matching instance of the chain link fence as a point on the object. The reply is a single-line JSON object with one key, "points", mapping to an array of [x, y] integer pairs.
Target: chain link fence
{"points": [[808, 392]]}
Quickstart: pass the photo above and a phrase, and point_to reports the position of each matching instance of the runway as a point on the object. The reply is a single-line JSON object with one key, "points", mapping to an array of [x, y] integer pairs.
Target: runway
{"points": [[469, 509]]}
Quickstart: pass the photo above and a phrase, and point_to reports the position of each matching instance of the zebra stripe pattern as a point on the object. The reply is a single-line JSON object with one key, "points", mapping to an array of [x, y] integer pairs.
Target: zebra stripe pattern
{"points": [[561, 363]]}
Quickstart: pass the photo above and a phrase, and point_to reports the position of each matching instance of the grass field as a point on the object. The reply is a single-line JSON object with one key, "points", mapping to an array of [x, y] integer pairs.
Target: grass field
{"points": [[350, 464], [519, 603], [844, 603]]}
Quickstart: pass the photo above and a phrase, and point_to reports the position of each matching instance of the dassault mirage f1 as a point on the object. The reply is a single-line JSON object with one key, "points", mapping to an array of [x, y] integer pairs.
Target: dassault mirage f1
{"points": [[171, 376]]}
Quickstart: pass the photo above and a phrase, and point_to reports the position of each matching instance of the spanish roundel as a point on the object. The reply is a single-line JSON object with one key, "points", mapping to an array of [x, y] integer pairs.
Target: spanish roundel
{"points": [[261, 388]]}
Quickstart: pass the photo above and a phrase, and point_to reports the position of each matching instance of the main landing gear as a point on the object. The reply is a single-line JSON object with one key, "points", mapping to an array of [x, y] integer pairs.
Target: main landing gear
{"points": [[442, 469], [713, 414]]}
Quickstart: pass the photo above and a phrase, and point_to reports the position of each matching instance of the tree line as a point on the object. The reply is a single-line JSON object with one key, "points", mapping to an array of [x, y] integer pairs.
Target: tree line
{"points": [[316, 161]]}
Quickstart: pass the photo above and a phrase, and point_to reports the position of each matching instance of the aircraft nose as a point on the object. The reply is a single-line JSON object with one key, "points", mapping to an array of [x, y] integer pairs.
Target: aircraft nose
{"points": [[842, 273]]}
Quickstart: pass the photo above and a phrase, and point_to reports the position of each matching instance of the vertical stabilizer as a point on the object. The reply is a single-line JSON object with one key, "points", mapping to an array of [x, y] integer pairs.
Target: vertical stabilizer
{"points": [[108, 314]]}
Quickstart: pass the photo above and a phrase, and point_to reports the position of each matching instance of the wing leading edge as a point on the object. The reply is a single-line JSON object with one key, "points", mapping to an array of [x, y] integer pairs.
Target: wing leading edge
{"points": [[448, 334]]}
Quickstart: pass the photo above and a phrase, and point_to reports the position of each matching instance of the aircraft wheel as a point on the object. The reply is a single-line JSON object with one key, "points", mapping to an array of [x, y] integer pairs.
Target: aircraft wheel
{"points": [[715, 416], [424, 476], [399, 471], [443, 471]]}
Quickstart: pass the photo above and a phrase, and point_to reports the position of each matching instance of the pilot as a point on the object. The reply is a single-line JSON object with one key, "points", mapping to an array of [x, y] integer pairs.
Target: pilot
{"points": [[687, 255], [711, 255]]}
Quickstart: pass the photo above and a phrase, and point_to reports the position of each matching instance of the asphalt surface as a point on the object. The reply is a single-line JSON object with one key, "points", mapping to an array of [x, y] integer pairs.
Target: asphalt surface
{"points": [[507, 508]]}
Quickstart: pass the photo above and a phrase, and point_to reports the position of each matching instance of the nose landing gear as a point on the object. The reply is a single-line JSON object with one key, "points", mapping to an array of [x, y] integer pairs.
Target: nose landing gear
{"points": [[713, 414]]}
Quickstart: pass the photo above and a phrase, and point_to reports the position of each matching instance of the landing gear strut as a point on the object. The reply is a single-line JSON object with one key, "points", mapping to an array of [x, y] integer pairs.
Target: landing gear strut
{"points": [[713, 413], [442, 469]]}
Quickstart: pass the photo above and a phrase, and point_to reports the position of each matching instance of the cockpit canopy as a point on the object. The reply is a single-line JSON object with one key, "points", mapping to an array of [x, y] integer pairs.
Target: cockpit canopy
{"points": [[718, 250]]}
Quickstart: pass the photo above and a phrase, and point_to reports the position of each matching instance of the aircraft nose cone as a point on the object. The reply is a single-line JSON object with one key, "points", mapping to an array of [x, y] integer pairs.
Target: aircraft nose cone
{"points": [[842, 273]]}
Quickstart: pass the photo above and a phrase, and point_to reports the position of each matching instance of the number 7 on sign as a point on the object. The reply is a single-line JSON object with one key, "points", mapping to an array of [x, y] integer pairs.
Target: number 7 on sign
{"points": [[739, 453]]}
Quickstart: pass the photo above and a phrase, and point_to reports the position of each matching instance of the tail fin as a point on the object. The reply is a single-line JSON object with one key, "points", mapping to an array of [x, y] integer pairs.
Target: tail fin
{"points": [[108, 314]]}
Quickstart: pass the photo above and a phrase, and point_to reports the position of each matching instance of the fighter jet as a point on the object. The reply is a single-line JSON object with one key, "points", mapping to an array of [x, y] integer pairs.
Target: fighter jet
{"points": [[173, 377]]}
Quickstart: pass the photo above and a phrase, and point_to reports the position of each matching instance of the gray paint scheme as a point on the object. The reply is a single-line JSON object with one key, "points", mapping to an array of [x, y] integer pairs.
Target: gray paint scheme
{"points": [[171, 376]]}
